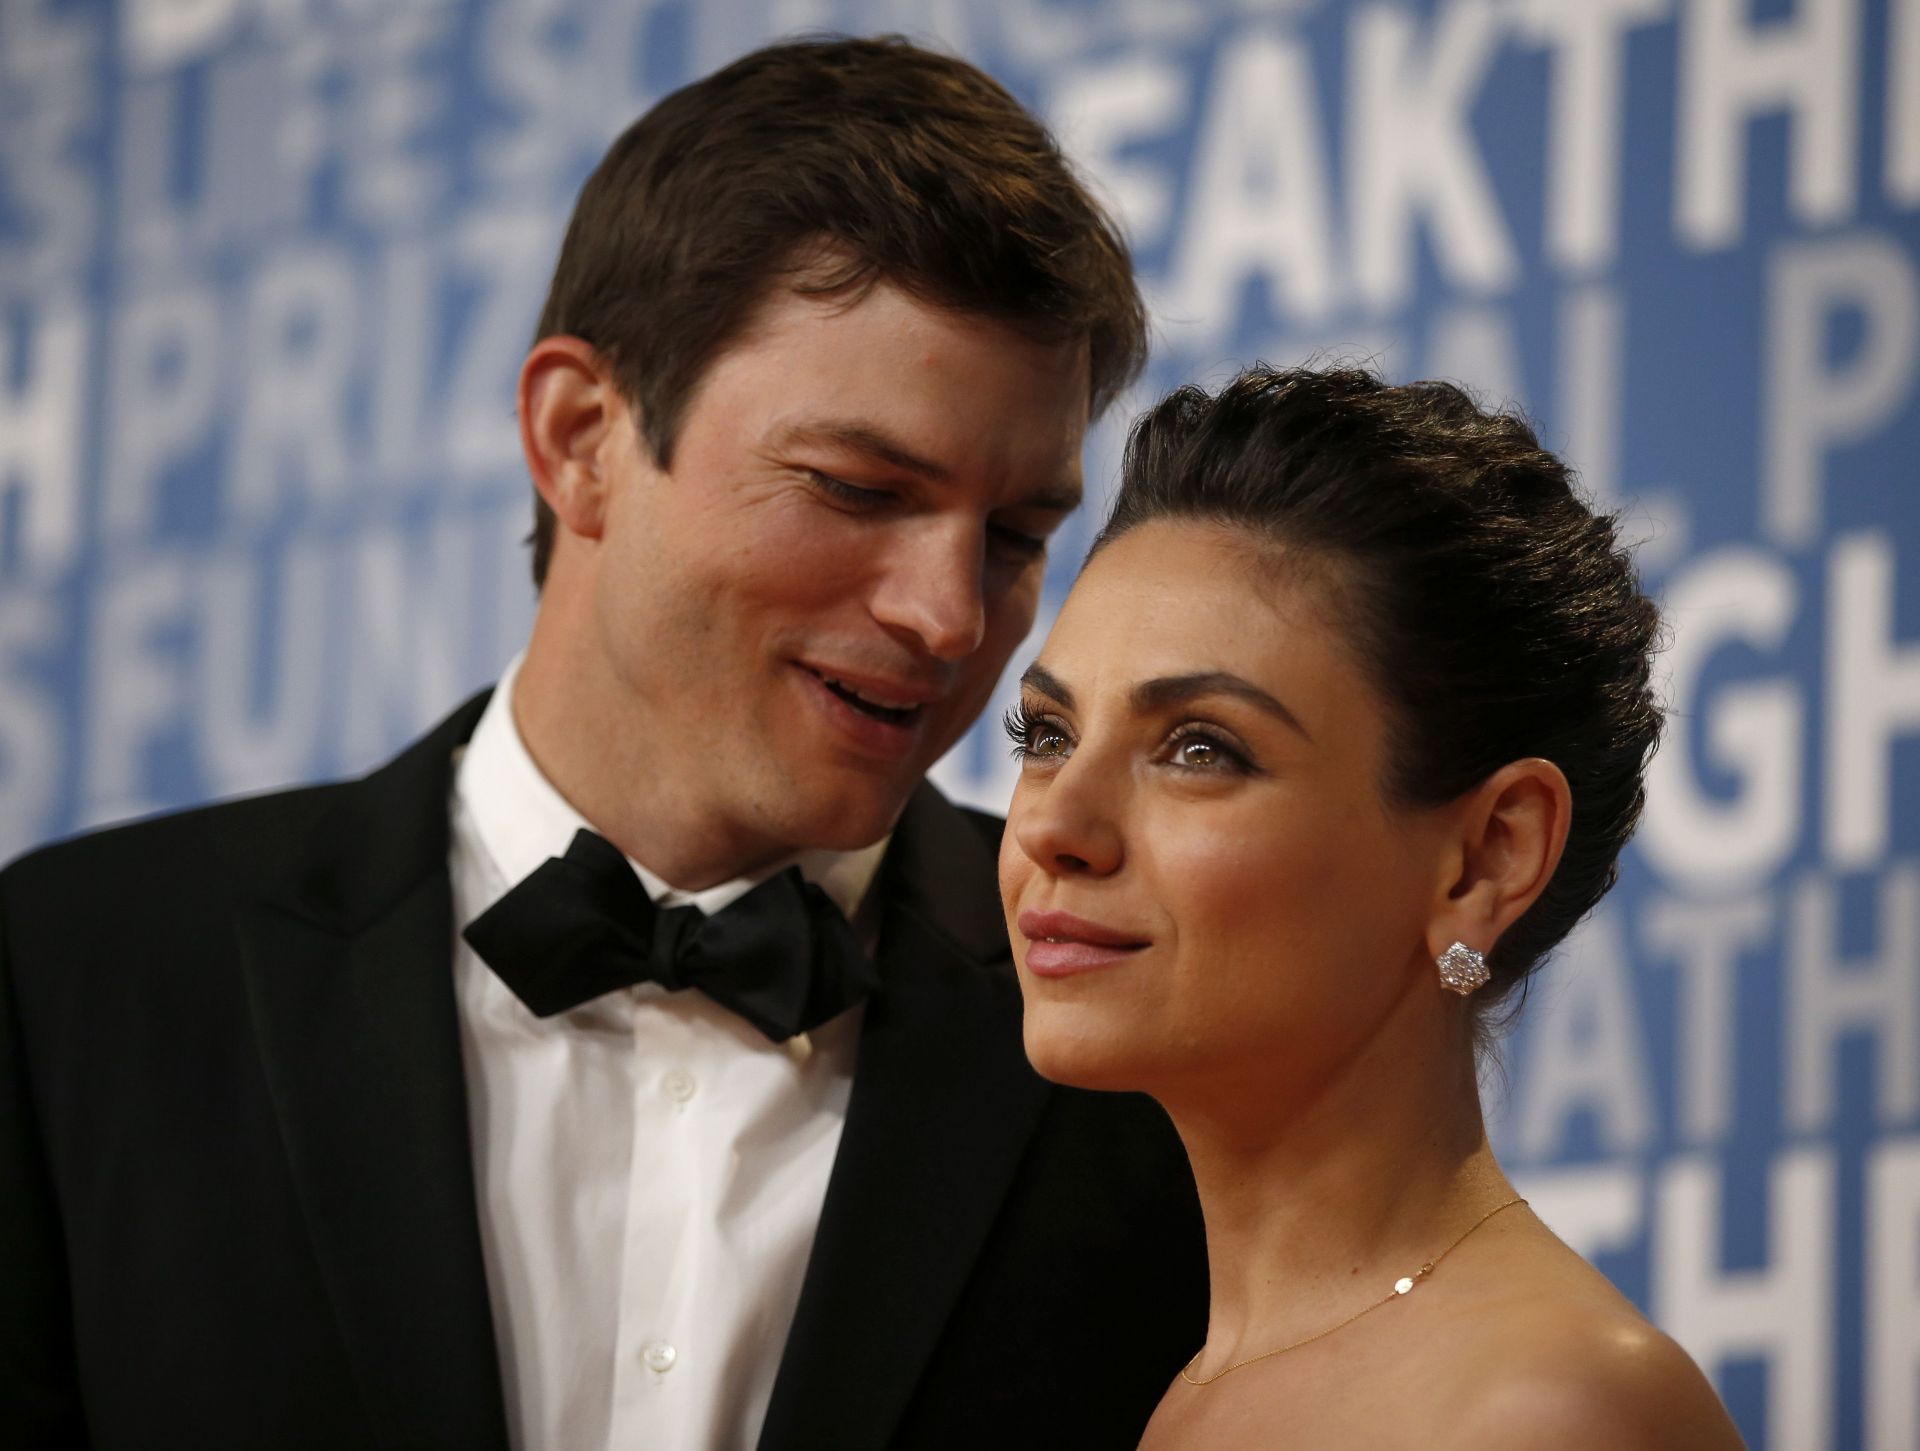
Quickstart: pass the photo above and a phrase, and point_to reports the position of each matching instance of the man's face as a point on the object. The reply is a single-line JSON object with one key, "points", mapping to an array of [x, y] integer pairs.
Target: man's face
{"points": [[816, 600]]}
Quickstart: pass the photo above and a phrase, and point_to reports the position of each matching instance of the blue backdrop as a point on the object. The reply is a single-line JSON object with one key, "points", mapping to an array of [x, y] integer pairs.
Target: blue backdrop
{"points": [[267, 268]]}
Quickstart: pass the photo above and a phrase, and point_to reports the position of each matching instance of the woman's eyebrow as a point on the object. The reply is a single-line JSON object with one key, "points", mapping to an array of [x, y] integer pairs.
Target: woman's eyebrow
{"points": [[1170, 690], [1167, 691], [1038, 677]]}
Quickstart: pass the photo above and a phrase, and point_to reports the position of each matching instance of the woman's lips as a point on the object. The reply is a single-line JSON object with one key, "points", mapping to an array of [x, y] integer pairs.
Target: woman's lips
{"points": [[1060, 944]]}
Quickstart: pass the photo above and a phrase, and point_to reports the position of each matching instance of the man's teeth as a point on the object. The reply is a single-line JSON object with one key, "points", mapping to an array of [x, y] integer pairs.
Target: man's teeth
{"points": [[868, 696]]}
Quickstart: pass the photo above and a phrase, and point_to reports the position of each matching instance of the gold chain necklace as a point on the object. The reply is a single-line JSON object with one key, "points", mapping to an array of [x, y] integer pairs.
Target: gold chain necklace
{"points": [[1402, 1286]]}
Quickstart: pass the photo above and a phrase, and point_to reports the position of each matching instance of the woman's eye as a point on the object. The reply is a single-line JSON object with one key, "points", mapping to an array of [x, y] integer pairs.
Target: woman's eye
{"points": [[1035, 736], [1198, 752]]}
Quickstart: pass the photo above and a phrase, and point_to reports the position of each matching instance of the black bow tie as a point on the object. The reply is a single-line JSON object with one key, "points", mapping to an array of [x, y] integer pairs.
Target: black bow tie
{"points": [[783, 957]]}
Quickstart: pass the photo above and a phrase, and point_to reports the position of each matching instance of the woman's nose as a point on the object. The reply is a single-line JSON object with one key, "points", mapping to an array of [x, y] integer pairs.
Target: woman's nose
{"points": [[1068, 826]]}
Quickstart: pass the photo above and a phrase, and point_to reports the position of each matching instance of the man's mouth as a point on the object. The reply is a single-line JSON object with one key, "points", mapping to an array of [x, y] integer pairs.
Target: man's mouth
{"points": [[868, 701]]}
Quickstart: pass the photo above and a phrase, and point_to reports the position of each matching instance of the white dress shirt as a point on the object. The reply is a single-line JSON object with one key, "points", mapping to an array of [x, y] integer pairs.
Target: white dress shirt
{"points": [[650, 1168]]}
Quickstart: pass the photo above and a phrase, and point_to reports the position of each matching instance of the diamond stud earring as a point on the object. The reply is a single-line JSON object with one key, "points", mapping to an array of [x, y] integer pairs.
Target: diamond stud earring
{"points": [[1462, 969]]}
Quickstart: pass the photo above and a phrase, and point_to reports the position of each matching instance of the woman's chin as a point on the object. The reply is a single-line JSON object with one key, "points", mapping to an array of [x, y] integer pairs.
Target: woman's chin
{"points": [[1083, 1057]]}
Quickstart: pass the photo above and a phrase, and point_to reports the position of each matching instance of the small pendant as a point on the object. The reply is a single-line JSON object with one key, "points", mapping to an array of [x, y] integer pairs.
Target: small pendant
{"points": [[1403, 1284]]}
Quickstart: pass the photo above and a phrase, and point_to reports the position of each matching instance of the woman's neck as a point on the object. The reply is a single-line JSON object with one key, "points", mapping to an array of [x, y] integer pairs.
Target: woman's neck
{"points": [[1318, 1198]]}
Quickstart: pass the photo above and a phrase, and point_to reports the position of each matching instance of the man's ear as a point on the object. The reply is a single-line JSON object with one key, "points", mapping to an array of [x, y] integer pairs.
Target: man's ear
{"points": [[570, 409], [1512, 827]]}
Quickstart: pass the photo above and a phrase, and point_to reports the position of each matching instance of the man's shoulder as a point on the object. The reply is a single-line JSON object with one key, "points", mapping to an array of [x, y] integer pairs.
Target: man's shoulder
{"points": [[931, 803], [152, 898], [943, 865], [988, 826], [230, 848], [196, 838]]}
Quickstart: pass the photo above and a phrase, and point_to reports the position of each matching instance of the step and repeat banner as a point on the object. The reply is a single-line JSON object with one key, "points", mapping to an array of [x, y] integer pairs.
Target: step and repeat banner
{"points": [[268, 268]]}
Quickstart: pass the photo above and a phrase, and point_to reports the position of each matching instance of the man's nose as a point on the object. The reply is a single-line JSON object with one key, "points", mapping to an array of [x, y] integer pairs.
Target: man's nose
{"points": [[933, 590]]}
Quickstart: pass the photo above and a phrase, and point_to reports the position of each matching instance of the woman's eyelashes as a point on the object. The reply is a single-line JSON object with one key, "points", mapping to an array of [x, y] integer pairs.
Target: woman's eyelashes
{"points": [[1193, 747], [1035, 734], [1198, 747]]}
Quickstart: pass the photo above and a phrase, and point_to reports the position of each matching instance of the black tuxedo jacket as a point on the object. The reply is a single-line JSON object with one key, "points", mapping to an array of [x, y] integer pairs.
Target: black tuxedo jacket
{"points": [[237, 1205]]}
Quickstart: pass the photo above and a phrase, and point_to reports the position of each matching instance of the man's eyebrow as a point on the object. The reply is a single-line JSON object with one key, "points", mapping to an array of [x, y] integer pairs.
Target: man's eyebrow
{"points": [[1063, 497], [1172, 690], [865, 438], [1038, 677]]}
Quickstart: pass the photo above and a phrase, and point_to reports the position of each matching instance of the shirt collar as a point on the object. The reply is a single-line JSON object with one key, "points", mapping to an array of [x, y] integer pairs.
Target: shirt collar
{"points": [[522, 820]]}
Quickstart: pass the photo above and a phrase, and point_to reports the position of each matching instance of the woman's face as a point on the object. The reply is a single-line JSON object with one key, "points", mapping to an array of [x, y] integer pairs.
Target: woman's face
{"points": [[1202, 879]]}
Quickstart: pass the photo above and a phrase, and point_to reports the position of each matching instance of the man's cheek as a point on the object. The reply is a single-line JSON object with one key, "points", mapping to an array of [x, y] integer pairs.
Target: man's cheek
{"points": [[1010, 615]]}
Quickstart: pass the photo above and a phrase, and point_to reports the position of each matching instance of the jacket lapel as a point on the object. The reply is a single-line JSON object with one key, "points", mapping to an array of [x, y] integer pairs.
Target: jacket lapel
{"points": [[943, 1104], [351, 987]]}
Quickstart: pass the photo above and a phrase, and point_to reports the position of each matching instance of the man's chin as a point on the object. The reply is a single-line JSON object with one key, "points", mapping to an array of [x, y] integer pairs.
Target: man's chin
{"points": [[853, 827], [829, 797]]}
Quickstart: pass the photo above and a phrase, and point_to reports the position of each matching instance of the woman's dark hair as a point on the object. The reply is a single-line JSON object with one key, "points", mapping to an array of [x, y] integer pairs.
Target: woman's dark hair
{"points": [[831, 165], [1497, 614]]}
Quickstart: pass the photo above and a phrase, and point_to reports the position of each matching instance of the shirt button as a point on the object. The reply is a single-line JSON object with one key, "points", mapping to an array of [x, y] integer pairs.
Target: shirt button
{"points": [[660, 1357], [679, 1086]]}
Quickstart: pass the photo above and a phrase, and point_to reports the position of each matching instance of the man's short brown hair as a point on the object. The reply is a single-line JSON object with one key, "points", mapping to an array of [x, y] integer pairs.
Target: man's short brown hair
{"points": [[833, 164]]}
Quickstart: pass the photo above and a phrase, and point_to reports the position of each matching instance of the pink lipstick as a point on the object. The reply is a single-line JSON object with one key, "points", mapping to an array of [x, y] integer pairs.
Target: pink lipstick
{"points": [[1060, 944]]}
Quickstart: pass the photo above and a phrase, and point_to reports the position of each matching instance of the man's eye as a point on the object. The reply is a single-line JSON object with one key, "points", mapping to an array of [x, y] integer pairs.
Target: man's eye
{"points": [[1017, 543], [846, 493]]}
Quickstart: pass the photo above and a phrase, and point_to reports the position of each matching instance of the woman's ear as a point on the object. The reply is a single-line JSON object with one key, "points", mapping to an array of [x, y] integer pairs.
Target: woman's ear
{"points": [[1513, 827], [569, 407]]}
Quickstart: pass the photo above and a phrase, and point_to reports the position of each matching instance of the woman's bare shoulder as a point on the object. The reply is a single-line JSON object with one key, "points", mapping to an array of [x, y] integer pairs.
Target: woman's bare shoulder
{"points": [[1583, 1371]]}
